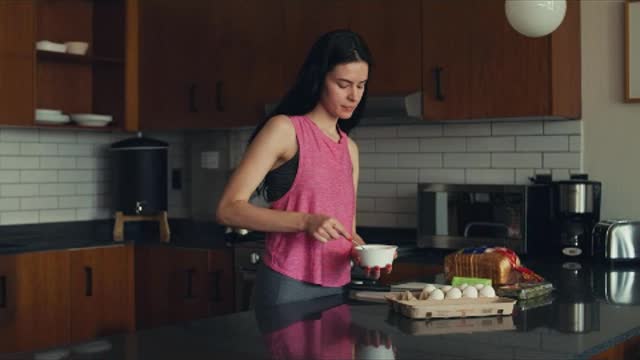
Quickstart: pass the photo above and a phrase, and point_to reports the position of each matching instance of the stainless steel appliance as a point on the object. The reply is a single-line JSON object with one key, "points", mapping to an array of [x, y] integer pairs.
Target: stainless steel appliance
{"points": [[618, 284], [617, 240], [576, 309], [452, 216], [576, 211]]}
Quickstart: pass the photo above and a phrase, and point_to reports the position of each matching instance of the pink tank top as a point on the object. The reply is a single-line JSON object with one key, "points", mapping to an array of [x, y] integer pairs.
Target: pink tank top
{"points": [[323, 185]]}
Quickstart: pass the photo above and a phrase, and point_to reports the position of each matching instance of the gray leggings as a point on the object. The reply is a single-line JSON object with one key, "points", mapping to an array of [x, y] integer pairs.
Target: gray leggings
{"points": [[273, 288]]}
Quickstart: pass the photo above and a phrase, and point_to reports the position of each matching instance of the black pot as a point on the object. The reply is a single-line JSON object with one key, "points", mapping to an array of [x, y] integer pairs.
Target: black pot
{"points": [[139, 168]]}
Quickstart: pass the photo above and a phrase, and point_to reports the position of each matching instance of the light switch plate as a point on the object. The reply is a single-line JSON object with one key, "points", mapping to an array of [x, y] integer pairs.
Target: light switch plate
{"points": [[210, 159]]}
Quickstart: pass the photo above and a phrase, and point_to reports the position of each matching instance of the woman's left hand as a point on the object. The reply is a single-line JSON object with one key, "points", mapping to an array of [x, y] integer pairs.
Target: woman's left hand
{"points": [[374, 272]]}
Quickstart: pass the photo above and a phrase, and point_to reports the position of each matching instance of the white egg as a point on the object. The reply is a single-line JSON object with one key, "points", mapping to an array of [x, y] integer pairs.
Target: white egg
{"points": [[445, 288], [436, 294], [488, 292], [479, 286], [429, 288], [470, 292], [454, 293], [463, 286]]}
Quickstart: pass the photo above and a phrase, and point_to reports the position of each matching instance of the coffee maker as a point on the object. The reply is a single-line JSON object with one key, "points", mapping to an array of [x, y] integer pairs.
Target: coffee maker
{"points": [[576, 212]]}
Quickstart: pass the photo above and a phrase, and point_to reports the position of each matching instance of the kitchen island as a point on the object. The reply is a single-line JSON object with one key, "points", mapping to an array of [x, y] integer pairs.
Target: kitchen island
{"points": [[586, 315]]}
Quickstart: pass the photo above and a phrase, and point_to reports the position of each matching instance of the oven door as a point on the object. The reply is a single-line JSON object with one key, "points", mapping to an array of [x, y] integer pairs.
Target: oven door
{"points": [[246, 266]]}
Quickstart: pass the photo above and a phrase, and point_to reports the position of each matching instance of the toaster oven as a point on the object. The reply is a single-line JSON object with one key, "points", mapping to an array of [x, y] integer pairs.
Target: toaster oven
{"points": [[616, 240], [454, 216]]}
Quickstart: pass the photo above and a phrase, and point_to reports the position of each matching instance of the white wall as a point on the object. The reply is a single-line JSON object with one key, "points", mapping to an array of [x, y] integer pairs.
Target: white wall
{"points": [[611, 128]]}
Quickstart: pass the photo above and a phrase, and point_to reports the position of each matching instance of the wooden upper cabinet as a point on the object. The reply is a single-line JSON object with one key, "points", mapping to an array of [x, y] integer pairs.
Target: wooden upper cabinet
{"points": [[393, 33], [476, 66], [17, 61], [249, 56], [101, 292], [173, 60], [304, 22]]}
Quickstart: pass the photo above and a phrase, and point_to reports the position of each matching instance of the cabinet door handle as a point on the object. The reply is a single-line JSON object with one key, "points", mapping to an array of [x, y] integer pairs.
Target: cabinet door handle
{"points": [[189, 273], [437, 72], [219, 104], [88, 281], [216, 294], [192, 98], [3, 292]]}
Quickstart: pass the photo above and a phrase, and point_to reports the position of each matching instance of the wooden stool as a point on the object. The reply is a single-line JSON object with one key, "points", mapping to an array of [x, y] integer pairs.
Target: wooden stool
{"points": [[161, 218]]}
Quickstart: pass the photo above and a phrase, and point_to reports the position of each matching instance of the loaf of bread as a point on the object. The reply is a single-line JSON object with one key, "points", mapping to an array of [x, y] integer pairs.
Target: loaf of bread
{"points": [[494, 265]]}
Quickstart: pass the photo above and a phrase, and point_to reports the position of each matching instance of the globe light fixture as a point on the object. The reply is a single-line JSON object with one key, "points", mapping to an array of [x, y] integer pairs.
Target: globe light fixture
{"points": [[535, 18]]}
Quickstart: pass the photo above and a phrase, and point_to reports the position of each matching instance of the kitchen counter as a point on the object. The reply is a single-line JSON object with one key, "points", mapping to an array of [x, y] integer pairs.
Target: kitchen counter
{"points": [[594, 308]]}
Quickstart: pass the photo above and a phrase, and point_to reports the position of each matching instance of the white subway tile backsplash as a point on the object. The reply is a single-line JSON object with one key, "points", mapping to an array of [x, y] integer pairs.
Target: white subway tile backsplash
{"points": [[569, 127], [78, 202], [418, 131], [480, 129], [374, 160], [367, 175], [396, 145], [523, 175], [395, 205], [490, 176], [406, 220], [38, 149], [561, 160], [76, 149], [408, 191], [375, 190], [9, 204], [38, 176], [443, 145], [419, 160], [57, 189], [62, 215], [516, 160], [18, 135], [376, 219], [560, 174], [366, 146], [19, 217], [17, 162], [9, 148], [366, 204], [575, 143], [91, 163], [93, 213], [517, 128], [396, 175], [491, 144], [14, 190], [467, 160], [9, 176], [374, 132], [542, 143], [58, 162], [94, 138], [76, 176], [38, 203], [58, 136], [453, 176]]}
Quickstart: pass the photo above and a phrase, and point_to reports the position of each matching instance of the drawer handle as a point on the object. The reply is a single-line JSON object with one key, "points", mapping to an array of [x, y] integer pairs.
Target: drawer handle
{"points": [[3, 292], [189, 294], [438, 77], [88, 281], [192, 98], [216, 295]]}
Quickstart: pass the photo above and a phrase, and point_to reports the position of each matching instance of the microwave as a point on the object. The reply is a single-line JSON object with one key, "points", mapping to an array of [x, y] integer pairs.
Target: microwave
{"points": [[455, 216]]}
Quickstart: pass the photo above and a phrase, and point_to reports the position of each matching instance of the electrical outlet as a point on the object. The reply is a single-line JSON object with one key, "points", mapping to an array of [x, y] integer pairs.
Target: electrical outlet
{"points": [[210, 159]]}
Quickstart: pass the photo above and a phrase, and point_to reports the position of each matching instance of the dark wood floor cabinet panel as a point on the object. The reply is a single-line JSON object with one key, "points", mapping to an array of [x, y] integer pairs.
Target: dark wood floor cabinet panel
{"points": [[221, 285], [153, 271], [410, 272], [8, 278], [101, 300], [188, 287], [17, 61], [392, 30], [476, 66], [42, 301]]}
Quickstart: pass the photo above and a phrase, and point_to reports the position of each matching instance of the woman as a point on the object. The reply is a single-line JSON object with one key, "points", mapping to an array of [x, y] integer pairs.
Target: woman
{"points": [[310, 171]]}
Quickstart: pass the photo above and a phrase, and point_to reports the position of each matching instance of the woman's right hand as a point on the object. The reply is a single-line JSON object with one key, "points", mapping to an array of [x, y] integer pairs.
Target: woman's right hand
{"points": [[325, 228]]}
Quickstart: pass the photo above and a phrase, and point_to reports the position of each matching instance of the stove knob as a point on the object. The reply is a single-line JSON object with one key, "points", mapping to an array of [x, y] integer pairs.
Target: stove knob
{"points": [[255, 258]]}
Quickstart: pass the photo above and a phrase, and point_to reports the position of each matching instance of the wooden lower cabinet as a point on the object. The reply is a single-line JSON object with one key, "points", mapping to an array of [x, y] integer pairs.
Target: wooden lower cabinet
{"points": [[101, 303], [628, 350], [188, 286], [410, 272], [35, 301], [221, 291]]}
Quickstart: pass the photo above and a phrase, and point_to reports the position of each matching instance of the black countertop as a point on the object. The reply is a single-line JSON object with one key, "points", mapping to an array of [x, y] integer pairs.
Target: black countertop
{"points": [[593, 308]]}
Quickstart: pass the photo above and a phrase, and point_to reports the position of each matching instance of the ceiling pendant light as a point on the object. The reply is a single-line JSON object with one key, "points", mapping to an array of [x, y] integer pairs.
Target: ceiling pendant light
{"points": [[535, 18]]}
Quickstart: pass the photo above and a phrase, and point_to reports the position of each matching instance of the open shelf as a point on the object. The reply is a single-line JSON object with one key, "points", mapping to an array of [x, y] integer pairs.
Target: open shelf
{"points": [[80, 59]]}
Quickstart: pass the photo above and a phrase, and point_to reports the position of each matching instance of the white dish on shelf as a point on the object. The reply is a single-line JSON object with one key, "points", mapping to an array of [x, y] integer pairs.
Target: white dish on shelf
{"points": [[49, 118], [77, 47], [47, 45], [94, 120], [40, 112]]}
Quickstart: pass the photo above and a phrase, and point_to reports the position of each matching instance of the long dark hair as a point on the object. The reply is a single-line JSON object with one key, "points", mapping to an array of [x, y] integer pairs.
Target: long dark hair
{"points": [[331, 49]]}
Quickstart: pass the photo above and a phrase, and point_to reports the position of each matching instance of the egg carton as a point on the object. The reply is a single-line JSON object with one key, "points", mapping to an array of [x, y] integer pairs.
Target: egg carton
{"points": [[450, 308]]}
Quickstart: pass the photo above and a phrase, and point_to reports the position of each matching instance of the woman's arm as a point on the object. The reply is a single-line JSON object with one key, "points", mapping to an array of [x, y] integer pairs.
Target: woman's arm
{"points": [[270, 147]]}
